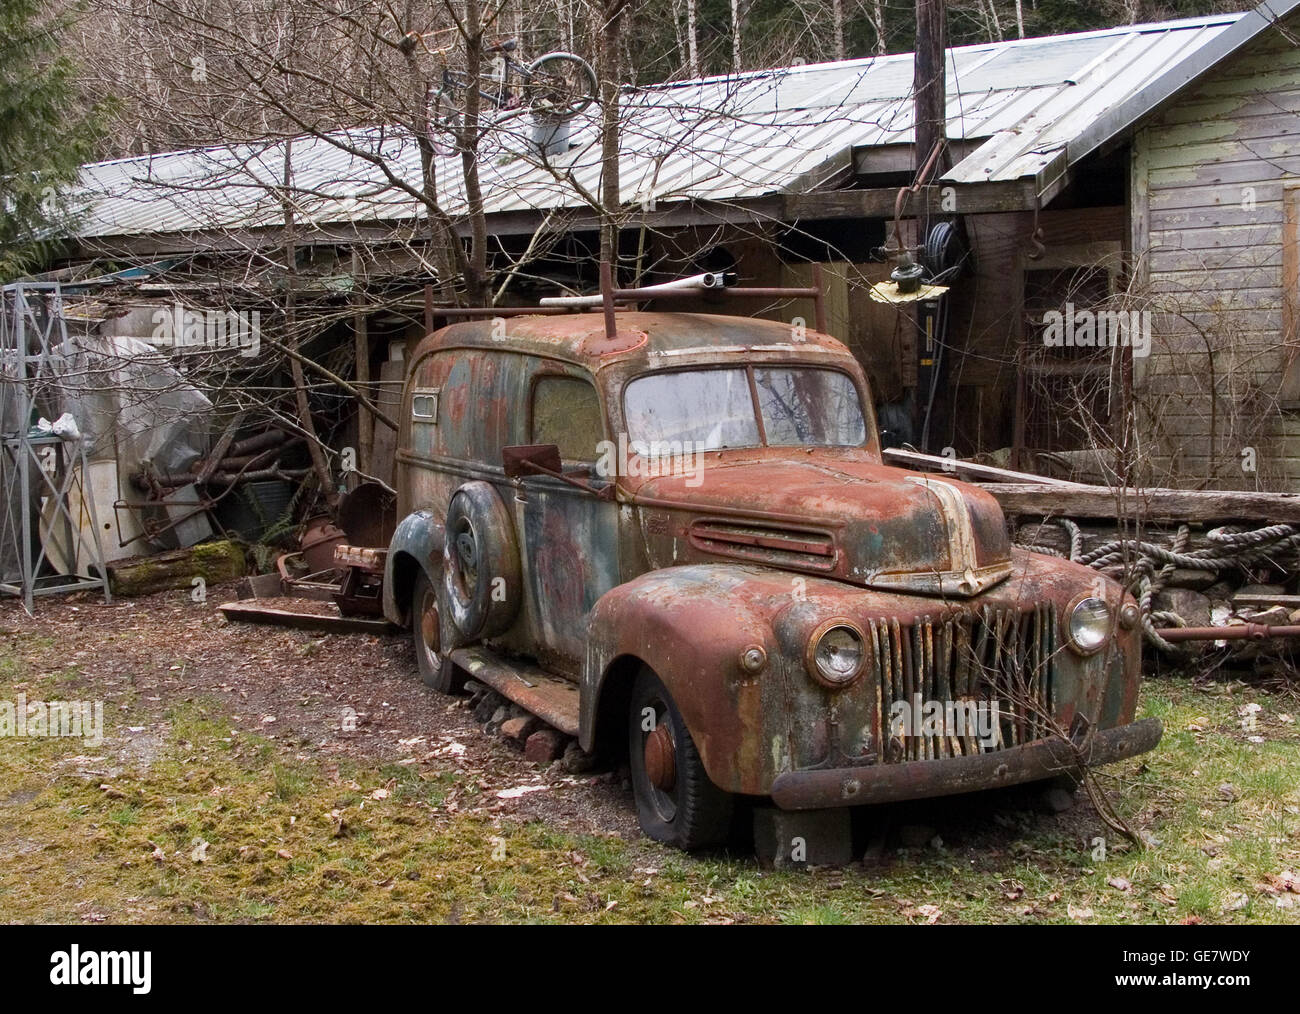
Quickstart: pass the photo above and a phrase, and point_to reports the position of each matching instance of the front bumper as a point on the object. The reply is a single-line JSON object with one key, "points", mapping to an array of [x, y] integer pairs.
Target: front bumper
{"points": [[886, 783]]}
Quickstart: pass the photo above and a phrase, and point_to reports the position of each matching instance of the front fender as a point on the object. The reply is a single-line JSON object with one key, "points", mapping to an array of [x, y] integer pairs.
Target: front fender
{"points": [[416, 545], [691, 625]]}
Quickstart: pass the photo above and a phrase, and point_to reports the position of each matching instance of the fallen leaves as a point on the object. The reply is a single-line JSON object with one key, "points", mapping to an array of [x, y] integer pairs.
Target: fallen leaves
{"points": [[520, 790]]}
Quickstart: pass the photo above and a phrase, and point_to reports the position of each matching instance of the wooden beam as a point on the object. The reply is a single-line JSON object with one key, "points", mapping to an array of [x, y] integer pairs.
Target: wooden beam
{"points": [[878, 202], [361, 353], [250, 611], [1147, 504], [935, 463], [1265, 601]]}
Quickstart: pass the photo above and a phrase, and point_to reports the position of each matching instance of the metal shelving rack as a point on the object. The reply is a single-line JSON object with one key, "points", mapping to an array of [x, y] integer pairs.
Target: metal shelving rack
{"points": [[34, 347]]}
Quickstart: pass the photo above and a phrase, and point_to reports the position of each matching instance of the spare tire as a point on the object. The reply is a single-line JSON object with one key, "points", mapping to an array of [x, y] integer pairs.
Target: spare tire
{"points": [[480, 572]]}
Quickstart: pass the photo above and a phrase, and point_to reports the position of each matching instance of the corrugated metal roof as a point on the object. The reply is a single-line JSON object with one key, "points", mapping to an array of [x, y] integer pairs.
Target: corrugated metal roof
{"points": [[719, 139]]}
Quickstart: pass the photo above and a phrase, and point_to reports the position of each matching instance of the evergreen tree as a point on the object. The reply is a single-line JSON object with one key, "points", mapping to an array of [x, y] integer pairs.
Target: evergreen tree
{"points": [[45, 133]]}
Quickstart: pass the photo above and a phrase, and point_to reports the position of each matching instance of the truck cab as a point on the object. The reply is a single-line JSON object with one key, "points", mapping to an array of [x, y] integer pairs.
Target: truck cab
{"points": [[678, 540]]}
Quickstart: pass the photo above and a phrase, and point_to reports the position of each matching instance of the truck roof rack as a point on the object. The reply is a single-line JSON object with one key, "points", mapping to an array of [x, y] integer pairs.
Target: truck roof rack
{"points": [[608, 299]]}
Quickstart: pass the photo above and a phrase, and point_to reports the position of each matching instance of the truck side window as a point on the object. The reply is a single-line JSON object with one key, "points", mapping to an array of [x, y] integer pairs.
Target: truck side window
{"points": [[566, 412]]}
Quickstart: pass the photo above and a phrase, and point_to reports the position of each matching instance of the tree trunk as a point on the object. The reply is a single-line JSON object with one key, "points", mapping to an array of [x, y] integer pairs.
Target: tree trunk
{"points": [[318, 462], [477, 290], [737, 30], [837, 15], [693, 37], [609, 95]]}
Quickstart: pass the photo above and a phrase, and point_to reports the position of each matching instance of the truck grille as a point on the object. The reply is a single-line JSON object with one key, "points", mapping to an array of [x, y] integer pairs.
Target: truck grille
{"points": [[989, 658], [780, 547]]}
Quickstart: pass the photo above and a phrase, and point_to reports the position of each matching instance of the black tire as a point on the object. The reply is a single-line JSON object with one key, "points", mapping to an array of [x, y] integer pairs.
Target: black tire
{"points": [[559, 85], [436, 669], [692, 812], [481, 573]]}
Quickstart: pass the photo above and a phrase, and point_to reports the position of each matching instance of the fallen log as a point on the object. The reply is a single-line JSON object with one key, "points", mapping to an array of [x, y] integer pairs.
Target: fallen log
{"points": [[215, 562]]}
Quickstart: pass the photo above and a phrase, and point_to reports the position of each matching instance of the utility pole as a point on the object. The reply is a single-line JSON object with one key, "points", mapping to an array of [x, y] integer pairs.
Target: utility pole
{"points": [[929, 93], [928, 86]]}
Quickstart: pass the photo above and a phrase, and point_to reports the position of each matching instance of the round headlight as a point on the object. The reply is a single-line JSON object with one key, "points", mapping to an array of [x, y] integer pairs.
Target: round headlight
{"points": [[1090, 624], [838, 656]]}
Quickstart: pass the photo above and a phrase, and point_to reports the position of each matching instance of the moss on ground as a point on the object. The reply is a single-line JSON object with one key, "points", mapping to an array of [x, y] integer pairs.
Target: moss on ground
{"points": [[221, 826]]}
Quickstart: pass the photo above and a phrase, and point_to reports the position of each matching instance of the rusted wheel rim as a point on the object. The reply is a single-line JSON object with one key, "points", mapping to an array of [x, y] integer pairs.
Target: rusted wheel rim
{"points": [[430, 635], [465, 555], [659, 757]]}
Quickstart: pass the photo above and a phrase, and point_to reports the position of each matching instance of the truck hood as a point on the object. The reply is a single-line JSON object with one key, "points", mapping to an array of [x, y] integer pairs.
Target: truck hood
{"points": [[852, 519]]}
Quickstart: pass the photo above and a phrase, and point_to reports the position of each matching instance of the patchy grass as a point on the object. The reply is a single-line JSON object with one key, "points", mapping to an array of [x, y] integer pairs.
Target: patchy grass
{"points": [[223, 826]]}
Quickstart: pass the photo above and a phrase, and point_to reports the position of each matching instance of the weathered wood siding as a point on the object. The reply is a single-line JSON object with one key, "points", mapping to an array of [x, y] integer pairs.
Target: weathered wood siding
{"points": [[1210, 179]]}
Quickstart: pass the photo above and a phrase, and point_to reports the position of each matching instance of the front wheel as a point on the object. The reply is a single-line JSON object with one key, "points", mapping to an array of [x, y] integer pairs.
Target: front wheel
{"points": [[436, 670], [559, 85], [675, 801]]}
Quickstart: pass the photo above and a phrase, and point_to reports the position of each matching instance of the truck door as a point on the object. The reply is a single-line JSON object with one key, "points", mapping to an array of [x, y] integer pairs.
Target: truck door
{"points": [[570, 543]]}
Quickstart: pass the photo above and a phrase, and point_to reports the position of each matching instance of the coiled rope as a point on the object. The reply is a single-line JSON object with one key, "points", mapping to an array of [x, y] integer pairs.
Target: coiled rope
{"points": [[1230, 547]]}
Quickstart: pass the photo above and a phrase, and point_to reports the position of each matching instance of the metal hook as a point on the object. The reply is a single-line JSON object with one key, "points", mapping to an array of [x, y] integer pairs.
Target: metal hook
{"points": [[1036, 246]]}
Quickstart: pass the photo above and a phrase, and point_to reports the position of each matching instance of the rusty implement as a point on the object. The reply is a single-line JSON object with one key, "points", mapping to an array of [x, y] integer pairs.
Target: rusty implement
{"points": [[360, 591], [1239, 632]]}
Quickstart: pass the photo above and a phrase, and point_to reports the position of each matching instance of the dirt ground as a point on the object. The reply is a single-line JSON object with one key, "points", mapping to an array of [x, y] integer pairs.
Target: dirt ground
{"points": [[297, 689]]}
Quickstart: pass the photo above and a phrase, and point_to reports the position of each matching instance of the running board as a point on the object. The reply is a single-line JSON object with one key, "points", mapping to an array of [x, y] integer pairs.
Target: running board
{"points": [[553, 700]]}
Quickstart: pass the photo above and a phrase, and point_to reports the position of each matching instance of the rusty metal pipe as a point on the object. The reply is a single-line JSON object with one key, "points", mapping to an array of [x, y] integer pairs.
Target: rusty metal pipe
{"points": [[261, 441], [1240, 632], [500, 311], [607, 300]]}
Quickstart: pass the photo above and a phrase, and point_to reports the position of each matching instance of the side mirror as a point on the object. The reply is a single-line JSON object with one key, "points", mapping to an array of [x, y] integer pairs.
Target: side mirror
{"points": [[531, 459], [544, 459]]}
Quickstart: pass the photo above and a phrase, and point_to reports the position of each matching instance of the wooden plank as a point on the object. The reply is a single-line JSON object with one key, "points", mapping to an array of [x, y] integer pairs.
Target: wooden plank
{"points": [[934, 463], [249, 611], [1291, 601], [361, 355], [1199, 185], [969, 198], [1247, 263], [392, 373], [1150, 504], [553, 700], [1226, 216], [1289, 389], [1139, 209], [1242, 240], [1205, 152], [1267, 124]]}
